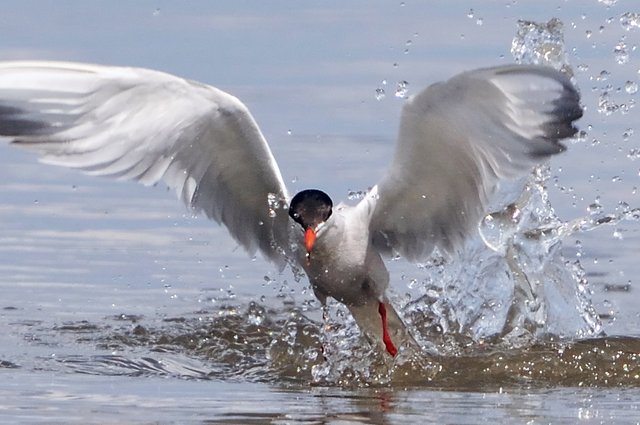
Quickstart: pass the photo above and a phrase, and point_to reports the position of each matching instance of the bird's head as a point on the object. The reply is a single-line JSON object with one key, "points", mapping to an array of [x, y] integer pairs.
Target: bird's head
{"points": [[310, 208]]}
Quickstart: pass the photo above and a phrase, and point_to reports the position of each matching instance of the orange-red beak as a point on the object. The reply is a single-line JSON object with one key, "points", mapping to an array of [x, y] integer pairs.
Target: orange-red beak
{"points": [[309, 239]]}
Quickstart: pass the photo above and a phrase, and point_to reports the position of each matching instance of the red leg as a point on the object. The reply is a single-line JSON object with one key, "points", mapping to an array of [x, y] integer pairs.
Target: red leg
{"points": [[386, 338]]}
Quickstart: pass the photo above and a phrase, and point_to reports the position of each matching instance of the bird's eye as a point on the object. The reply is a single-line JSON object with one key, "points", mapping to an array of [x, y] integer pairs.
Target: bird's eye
{"points": [[296, 215]]}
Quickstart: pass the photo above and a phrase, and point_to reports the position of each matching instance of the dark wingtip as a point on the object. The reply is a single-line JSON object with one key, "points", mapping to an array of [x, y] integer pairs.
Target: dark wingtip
{"points": [[13, 123], [566, 110], [547, 148]]}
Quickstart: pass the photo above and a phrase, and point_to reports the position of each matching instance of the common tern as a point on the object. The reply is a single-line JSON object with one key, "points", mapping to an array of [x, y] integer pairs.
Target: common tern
{"points": [[457, 140]]}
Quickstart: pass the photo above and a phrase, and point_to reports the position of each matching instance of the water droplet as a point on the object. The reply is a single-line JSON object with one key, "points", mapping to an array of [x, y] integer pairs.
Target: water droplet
{"points": [[156, 12], [620, 52], [631, 87], [354, 195], [402, 89], [595, 207], [433, 294], [380, 94], [256, 314], [627, 134], [581, 136], [607, 106], [630, 20], [479, 21], [289, 132], [626, 107], [608, 3], [633, 154], [275, 203], [588, 33]]}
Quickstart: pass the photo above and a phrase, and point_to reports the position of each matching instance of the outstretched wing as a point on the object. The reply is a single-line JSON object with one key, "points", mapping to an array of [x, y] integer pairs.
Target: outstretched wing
{"points": [[150, 126], [457, 140]]}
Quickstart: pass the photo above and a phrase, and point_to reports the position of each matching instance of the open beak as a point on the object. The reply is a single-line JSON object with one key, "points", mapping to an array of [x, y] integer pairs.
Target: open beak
{"points": [[309, 239]]}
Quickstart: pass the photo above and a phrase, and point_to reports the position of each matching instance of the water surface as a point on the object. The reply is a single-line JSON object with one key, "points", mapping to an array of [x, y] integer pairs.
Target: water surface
{"points": [[118, 306]]}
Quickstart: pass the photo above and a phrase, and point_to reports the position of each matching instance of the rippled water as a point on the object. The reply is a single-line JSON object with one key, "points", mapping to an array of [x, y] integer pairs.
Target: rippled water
{"points": [[258, 365], [117, 307], [258, 345]]}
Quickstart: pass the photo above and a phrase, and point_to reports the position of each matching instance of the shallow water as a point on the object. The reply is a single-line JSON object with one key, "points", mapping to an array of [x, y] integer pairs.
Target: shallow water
{"points": [[187, 371], [148, 401], [118, 307]]}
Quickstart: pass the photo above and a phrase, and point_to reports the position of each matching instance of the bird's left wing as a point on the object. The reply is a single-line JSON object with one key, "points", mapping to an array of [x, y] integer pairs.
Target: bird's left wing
{"points": [[457, 140], [149, 126]]}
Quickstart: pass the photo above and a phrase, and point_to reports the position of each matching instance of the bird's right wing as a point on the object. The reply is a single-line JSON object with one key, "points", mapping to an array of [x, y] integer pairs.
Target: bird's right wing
{"points": [[458, 139], [149, 126]]}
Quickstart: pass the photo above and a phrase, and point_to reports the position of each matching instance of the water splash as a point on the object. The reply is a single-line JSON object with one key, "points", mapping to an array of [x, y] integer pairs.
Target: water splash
{"points": [[621, 52], [520, 297], [541, 43], [289, 348], [630, 21], [521, 289], [356, 195], [606, 105]]}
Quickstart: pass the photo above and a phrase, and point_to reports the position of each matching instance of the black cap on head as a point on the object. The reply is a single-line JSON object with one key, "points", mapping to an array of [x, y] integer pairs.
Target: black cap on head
{"points": [[310, 208]]}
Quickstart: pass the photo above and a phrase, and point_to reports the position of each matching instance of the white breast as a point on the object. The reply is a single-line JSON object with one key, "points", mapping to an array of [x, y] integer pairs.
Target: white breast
{"points": [[342, 263]]}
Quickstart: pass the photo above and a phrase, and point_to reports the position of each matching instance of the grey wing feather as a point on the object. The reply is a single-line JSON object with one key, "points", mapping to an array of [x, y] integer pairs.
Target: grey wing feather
{"points": [[149, 126], [457, 141]]}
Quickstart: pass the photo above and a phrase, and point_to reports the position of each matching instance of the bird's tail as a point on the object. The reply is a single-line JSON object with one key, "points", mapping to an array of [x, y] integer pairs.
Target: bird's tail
{"points": [[382, 325]]}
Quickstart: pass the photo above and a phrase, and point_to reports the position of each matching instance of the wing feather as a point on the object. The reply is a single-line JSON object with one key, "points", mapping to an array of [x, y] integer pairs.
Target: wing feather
{"points": [[457, 141], [138, 124]]}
